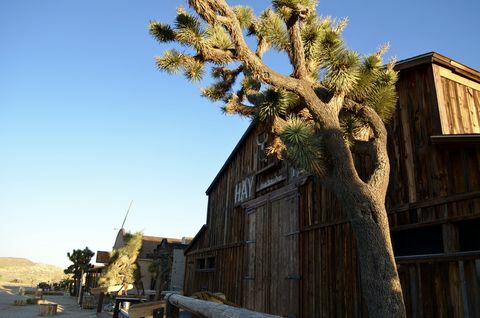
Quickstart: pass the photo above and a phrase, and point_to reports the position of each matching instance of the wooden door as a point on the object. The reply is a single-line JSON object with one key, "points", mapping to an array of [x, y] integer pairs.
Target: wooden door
{"points": [[272, 255]]}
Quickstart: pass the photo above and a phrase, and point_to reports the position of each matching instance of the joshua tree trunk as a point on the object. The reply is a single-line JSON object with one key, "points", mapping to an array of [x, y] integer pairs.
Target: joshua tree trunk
{"points": [[364, 204]]}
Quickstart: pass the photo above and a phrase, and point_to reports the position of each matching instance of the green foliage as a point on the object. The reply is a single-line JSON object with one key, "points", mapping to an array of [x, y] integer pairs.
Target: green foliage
{"points": [[271, 28], [382, 99], [173, 62], [161, 32], [217, 37], [81, 260], [121, 267], [187, 28], [245, 16], [302, 147], [274, 103], [193, 69], [342, 72]]}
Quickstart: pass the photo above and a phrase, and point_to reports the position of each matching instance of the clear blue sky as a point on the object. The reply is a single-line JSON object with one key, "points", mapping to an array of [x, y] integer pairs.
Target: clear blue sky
{"points": [[87, 123]]}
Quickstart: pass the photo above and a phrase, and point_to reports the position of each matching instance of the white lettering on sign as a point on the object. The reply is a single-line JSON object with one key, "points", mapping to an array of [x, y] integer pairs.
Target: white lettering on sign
{"points": [[268, 183], [243, 190]]}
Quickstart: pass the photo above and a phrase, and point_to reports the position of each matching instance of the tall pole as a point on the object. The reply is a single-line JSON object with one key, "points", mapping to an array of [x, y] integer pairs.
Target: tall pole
{"points": [[128, 210]]}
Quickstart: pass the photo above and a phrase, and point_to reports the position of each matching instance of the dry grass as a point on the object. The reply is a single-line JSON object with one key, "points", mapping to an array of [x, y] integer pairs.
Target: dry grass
{"points": [[24, 271]]}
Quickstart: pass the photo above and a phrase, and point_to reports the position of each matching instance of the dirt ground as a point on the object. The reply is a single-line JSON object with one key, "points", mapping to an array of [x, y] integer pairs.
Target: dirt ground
{"points": [[67, 305]]}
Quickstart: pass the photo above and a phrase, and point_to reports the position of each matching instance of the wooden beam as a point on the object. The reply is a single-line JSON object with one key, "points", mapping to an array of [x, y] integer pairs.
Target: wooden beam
{"points": [[456, 139], [459, 79], [145, 309], [212, 310], [435, 202], [444, 257]]}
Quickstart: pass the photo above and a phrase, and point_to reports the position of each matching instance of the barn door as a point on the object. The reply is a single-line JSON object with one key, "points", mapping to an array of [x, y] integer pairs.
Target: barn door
{"points": [[285, 273], [272, 259]]}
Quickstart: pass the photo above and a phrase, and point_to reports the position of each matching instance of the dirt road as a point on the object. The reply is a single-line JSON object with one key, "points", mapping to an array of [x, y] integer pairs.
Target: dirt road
{"points": [[67, 305]]}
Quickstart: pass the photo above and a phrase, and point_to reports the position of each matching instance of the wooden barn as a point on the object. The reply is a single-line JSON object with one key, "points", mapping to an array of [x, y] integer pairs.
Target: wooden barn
{"points": [[275, 241]]}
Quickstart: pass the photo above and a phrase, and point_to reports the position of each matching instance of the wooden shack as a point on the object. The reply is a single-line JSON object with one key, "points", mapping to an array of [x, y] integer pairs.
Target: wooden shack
{"points": [[275, 241]]}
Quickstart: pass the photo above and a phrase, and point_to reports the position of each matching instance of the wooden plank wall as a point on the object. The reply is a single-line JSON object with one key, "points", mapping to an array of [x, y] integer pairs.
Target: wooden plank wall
{"points": [[421, 173], [227, 277], [434, 185], [330, 282], [441, 288], [461, 99]]}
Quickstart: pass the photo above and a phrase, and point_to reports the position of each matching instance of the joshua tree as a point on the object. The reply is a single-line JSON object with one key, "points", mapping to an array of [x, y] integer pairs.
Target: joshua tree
{"points": [[332, 105], [81, 261], [122, 267]]}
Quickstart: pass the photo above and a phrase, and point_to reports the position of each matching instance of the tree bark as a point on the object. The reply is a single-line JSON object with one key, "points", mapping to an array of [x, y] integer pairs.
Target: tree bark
{"points": [[365, 208]]}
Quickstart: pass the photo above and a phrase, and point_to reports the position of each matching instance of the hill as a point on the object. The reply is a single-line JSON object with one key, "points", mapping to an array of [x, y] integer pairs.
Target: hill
{"points": [[22, 270]]}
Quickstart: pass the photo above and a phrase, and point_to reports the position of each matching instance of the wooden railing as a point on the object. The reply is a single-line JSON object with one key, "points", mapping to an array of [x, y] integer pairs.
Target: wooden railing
{"points": [[174, 304]]}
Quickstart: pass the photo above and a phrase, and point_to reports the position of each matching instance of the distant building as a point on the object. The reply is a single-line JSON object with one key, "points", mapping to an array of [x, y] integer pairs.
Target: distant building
{"points": [[152, 250]]}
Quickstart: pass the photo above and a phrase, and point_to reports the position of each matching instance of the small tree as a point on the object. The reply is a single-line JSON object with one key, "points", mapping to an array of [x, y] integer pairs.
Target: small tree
{"points": [[332, 105], [121, 268], [81, 261]]}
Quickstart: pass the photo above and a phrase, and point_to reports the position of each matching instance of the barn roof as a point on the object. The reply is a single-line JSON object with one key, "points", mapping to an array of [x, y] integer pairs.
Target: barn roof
{"points": [[196, 238], [427, 58], [436, 58]]}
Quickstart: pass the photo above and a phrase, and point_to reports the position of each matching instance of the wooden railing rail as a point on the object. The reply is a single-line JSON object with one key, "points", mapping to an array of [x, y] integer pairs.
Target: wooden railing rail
{"points": [[207, 309]]}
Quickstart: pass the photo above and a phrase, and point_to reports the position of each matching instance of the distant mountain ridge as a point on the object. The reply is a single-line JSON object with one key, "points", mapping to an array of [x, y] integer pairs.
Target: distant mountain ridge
{"points": [[22, 270]]}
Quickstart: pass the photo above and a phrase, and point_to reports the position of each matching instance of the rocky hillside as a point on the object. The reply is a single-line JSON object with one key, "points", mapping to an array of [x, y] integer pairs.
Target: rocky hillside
{"points": [[21, 270]]}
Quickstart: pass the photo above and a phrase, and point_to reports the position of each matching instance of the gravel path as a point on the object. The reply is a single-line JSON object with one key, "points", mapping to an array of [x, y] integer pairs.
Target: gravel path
{"points": [[67, 305]]}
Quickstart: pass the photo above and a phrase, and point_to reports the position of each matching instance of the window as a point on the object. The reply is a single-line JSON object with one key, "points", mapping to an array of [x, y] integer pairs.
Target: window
{"points": [[469, 235], [200, 263], [205, 264], [421, 241], [211, 263]]}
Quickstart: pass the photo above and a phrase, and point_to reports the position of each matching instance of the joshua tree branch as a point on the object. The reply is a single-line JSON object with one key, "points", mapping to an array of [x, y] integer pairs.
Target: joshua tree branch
{"points": [[234, 105], [298, 53], [379, 178]]}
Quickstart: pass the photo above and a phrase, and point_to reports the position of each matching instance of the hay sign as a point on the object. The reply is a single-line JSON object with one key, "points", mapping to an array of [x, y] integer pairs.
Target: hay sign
{"points": [[243, 190]]}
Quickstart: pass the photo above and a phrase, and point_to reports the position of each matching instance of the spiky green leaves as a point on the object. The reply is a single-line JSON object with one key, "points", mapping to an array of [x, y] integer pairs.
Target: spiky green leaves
{"points": [[376, 85], [162, 32], [342, 71], [382, 100], [271, 28], [172, 62], [187, 28], [245, 16], [218, 38], [302, 146], [221, 89], [275, 103]]}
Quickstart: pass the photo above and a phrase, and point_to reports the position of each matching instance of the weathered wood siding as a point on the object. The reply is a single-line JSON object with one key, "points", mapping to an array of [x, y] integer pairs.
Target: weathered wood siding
{"points": [[427, 181], [461, 99], [435, 186]]}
